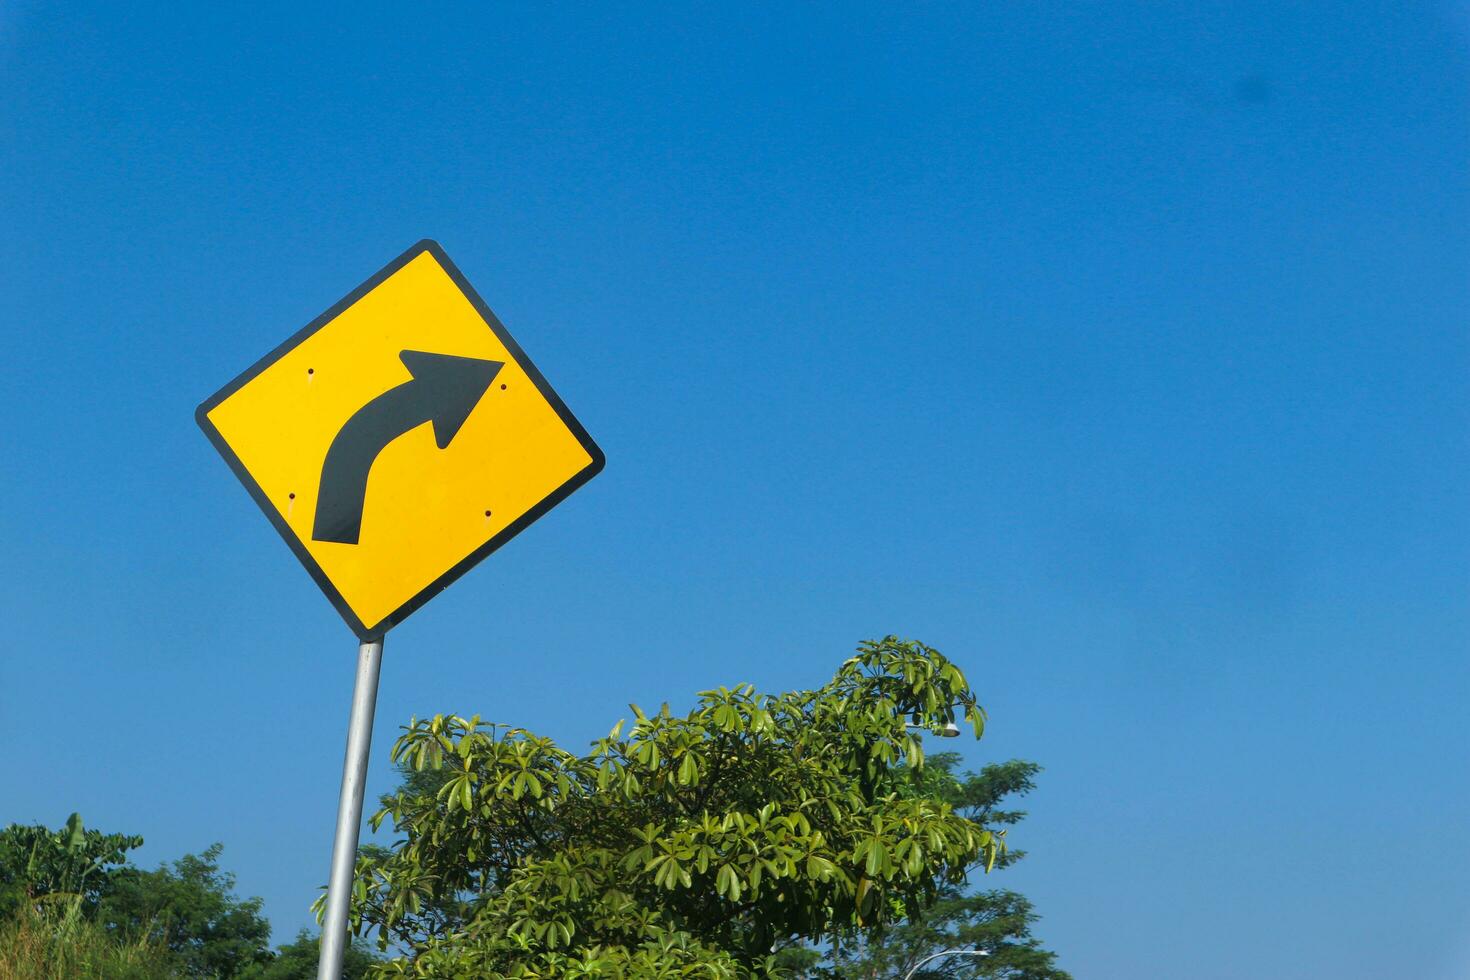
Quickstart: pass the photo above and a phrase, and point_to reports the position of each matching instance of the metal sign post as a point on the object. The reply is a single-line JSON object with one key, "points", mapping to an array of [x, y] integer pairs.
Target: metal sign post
{"points": [[349, 810]]}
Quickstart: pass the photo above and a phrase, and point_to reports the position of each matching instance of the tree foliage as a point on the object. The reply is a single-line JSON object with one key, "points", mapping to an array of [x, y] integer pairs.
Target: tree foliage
{"points": [[298, 960], [997, 923], [191, 909], [36, 862], [72, 906], [689, 845]]}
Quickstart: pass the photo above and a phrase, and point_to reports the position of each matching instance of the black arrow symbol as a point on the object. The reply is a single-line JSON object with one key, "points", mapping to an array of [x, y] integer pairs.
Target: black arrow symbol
{"points": [[444, 390]]}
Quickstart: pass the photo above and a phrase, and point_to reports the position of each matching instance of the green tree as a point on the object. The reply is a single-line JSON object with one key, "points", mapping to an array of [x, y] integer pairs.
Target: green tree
{"points": [[693, 845], [71, 906], [996, 922], [190, 909], [297, 960], [36, 862]]}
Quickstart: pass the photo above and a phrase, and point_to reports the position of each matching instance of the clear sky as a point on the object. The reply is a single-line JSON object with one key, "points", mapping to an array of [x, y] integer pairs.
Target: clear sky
{"points": [[1117, 350]]}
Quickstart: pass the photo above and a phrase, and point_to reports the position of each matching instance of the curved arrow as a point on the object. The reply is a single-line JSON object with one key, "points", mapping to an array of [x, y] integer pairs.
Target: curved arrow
{"points": [[444, 390]]}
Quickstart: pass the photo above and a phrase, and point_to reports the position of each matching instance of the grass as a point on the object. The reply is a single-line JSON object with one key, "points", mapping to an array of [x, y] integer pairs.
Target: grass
{"points": [[55, 942]]}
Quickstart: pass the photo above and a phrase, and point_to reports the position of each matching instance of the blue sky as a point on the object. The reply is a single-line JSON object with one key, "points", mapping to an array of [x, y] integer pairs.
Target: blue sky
{"points": [[1118, 351]]}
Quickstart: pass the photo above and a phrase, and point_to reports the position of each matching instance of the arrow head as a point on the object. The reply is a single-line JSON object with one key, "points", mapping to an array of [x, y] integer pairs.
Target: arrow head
{"points": [[449, 387]]}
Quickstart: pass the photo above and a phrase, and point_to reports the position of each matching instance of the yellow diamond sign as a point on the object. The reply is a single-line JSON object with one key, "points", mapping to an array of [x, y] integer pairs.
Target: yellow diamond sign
{"points": [[398, 439]]}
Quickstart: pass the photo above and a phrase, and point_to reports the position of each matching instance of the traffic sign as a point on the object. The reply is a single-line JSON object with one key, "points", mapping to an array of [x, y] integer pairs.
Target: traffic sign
{"points": [[398, 439]]}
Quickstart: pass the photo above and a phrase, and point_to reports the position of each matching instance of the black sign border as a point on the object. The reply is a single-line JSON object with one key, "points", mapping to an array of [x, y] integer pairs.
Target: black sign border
{"points": [[376, 631]]}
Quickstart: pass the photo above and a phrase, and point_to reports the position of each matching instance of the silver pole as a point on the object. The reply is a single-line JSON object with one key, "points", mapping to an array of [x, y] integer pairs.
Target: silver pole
{"points": [[349, 810]]}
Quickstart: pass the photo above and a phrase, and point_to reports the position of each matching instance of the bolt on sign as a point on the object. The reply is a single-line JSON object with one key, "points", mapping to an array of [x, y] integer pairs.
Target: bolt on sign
{"points": [[398, 439]]}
